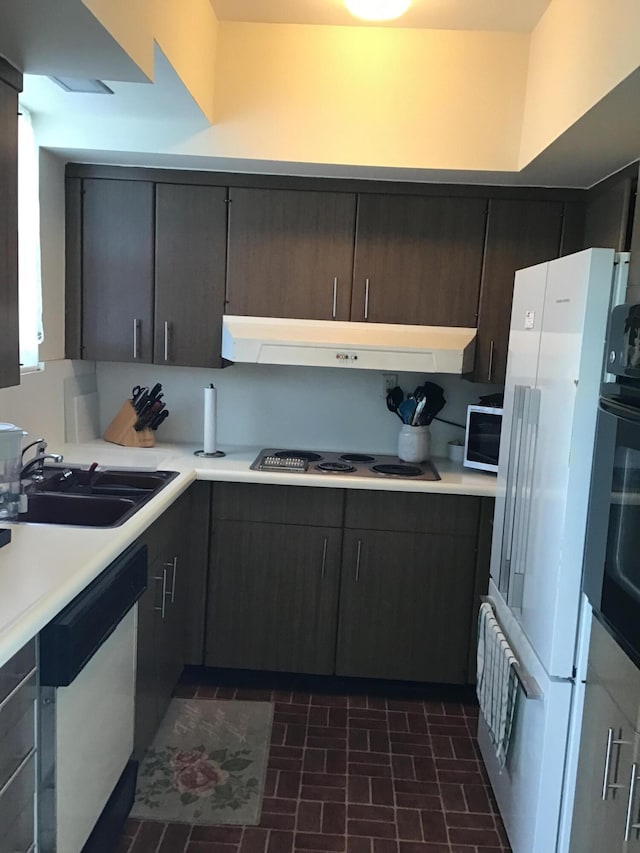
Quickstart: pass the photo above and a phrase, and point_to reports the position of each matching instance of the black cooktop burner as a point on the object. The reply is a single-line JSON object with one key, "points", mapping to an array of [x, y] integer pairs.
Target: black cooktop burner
{"points": [[357, 457], [335, 467], [309, 455], [398, 470]]}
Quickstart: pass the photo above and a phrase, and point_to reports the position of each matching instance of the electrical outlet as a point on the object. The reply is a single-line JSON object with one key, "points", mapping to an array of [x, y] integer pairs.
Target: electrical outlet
{"points": [[389, 381]]}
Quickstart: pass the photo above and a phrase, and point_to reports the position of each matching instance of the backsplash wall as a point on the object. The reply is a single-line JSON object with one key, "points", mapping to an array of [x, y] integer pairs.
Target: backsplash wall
{"points": [[276, 406]]}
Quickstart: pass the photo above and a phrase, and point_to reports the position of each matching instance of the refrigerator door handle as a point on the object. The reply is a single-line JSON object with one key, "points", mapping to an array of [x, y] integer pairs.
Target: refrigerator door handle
{"points": [[511, 480], [519, 564]]}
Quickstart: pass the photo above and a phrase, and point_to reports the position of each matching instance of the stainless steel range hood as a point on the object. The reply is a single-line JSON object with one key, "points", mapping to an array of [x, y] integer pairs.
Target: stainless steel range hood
{"points": [[330, 343]]}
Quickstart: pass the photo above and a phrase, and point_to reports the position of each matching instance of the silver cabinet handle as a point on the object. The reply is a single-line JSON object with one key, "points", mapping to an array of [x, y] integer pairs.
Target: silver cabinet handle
{"points": [[166, 340], [136, 337], [632, 787], [324, 558], [334, 309], [358, 555], [162, 578], [173, 565], [490, 370], [606, 785], [366, 299]]}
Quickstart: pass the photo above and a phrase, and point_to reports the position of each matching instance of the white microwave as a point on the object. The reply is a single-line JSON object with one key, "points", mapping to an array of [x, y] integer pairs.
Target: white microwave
{"points": [[482, 438]]}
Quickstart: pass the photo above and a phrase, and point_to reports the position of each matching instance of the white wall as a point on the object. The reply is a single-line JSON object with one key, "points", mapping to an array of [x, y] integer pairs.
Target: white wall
{"points": [[273, 406]]}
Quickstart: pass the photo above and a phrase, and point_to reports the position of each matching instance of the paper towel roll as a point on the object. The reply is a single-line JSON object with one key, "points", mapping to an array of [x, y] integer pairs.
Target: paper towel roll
{"points": [[210, 439]]}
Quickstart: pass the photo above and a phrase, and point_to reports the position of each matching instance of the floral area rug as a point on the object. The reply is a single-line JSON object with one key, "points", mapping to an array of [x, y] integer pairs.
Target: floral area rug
{"points": [[207, 764]]}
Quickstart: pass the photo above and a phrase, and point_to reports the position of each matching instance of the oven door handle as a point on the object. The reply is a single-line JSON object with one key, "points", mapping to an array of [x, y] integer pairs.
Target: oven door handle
{"points": [[620, 410]]}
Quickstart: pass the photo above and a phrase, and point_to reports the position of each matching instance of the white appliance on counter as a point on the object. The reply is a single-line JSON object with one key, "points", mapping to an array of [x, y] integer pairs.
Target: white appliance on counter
{"points": [[554, 370]]}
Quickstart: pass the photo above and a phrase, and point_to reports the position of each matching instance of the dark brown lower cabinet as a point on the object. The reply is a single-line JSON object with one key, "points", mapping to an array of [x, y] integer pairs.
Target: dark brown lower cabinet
{"points": [[273, 594], [406, 605], [161, 620]]}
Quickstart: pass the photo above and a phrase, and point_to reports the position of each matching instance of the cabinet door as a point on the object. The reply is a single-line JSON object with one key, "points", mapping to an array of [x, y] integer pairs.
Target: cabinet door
{"points": [[519, 234], [405, 606], [418, 260], [604, 769], [146, 707], [117, 270], [290, 253], [273, 597], [191, 239], [9, 352]]}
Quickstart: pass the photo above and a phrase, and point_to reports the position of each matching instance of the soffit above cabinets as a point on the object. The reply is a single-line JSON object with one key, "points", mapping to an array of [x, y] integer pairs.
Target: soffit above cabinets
{"points": [[499, 15]]}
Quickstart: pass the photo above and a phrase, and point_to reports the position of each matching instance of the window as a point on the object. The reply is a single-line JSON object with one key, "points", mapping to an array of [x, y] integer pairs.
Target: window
{"points": [[29, 278]]}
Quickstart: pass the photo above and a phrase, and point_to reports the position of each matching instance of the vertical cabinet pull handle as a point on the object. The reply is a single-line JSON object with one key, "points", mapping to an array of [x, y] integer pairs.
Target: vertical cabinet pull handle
{"points": [[167, 331], [366, 299], [173, 565], [632, 788], [358, 555], [334, 308], [324, 558], [162, 578], [136, 337], [611, 741], [490, 370]]}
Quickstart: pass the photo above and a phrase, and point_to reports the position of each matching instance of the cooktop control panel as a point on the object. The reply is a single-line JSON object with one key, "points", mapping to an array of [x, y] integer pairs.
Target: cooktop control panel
{"points": [[334, 464]]}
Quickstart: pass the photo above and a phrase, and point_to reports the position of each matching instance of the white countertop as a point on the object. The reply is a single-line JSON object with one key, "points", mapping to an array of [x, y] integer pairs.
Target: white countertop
{"points": [[45, 566]]}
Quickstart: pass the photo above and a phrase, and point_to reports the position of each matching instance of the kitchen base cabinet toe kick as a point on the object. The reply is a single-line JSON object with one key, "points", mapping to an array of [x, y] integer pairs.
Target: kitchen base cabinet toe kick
{"points": [[326, 581]]}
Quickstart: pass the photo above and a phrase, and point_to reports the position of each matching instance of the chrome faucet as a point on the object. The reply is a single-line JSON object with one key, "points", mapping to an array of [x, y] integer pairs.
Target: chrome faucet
{"points": [[36, 464]]}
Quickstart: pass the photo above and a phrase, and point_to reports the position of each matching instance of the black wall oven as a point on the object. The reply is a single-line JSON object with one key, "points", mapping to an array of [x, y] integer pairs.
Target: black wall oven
{"points": [[612, 554]]}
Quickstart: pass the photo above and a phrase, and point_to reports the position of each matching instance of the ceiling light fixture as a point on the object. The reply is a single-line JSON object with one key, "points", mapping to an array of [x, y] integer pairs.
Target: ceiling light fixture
{"points": [[79, 84], [377, 10]]}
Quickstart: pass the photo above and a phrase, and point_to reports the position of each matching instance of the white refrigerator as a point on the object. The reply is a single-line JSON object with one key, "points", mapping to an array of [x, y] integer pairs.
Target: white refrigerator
{"points": [[555, 366]]}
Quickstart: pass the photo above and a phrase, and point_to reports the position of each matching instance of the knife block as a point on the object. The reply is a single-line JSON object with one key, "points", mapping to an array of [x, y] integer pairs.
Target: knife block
{"points": [[121, 429]]}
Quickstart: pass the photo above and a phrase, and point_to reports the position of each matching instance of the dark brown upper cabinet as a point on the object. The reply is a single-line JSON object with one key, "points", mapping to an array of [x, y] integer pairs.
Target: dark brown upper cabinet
{"points": [[520, 233], [10, 85], [190, 248], [418, 259], [117, 270], [290, 253]]}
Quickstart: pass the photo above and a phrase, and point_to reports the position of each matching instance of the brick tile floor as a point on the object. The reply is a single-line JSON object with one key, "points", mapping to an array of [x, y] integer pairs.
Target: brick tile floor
{"points": [[353, 774]]}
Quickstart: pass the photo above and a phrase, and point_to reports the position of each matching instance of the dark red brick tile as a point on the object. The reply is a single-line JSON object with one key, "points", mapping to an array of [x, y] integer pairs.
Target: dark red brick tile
{"points": [[227, 834], [406, 786], [363, 723], [358, 845], [453, 798], [131, 826], [382, 792], [278, 733], [292, 708], [326, 742], [477, 799], [396, 705], [288, 784], [286, 751], [398, 721], [280, 842], [334, 732], [453, 708], [278, 806], [336, 761], [424, 802], [445, 731], [371, 828], [338, 717], [254, 840], [211, 691], [412, 738], [325, 780], [384, 845], [366, 714], [309, 817], [252, 694], [474, 836], [271, 820], [377, 703], [417, 723], [442, 746], [276, 763], [290, 719], [471, 820], [334, 701], [433, 826], [295, 735], [449, 721], [316, 842], [315, 760], [433, 707], [425, 768], [270, 783], [381, 770], [409, 824], [301, 698], [358, 739], [358, 757], [324, 795], [333, 818], [379, 742], [464, 777], [318, 716], [210, 847], [147, 838], [422, 847], [282, 696], [463, 747], [356, 811], [357, 701], [402, 767], [359, 789]]}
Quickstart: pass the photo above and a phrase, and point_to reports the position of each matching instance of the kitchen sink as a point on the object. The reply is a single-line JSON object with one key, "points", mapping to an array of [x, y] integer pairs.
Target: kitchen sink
{"points": [[83, 498]]}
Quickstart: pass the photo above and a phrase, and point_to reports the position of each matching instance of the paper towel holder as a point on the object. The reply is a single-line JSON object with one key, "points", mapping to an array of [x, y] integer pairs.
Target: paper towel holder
{"points": [[215, 455]]}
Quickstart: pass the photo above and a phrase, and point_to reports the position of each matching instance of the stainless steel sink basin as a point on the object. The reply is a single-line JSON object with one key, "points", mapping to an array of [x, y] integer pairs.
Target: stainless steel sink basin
{"points": [[91, 499], [79, 510]]}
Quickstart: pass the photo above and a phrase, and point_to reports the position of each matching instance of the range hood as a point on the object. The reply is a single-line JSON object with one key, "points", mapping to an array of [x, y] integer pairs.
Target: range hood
{"points": [[332, 343]]}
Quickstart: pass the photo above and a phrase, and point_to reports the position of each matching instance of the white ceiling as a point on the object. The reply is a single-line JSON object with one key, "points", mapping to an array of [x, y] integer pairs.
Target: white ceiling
{"points": [[503, 15]]}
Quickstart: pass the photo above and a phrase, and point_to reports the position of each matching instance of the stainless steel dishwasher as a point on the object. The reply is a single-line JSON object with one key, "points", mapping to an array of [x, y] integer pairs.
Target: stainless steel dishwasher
{"points": [[87, 678]]}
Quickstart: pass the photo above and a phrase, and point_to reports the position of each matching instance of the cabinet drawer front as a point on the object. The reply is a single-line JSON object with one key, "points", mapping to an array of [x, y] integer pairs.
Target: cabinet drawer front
{"points": [[17, 811], [413, 513], [15, 670], [17, 733], [615, 671], [278, 504]]}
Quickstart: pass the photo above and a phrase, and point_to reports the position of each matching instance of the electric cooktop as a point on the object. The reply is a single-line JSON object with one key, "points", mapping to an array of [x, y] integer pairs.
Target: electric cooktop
{"points": [[336, 464]]}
